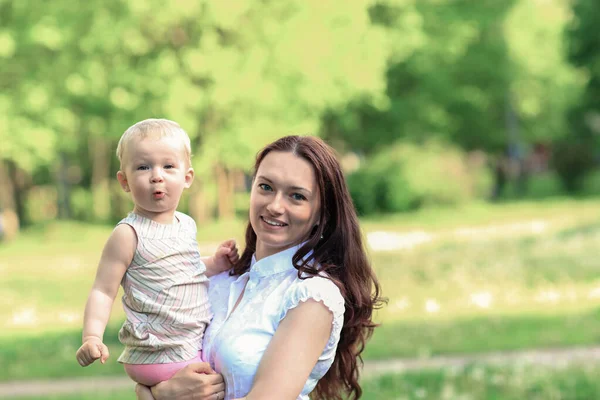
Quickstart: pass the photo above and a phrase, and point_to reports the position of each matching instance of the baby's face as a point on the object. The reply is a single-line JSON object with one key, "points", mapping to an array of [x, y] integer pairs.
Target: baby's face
{"points": [[155, 171]]}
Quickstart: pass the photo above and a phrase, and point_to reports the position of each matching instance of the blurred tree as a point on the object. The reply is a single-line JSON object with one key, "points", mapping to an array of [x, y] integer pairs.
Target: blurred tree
{"points": [[577, 154], [584, 53], [484, 75], [543, 83], [248, 72], [235, 75], [459, 67], [449, 80]]}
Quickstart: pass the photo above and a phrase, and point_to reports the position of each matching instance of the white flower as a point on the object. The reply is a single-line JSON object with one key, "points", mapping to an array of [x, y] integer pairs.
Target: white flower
{"points": [[386, 241], [420, 393], [432, 306], [68, 317], [24, 317], [481, 299], [594, 293], [402, 304], [548, 296]]}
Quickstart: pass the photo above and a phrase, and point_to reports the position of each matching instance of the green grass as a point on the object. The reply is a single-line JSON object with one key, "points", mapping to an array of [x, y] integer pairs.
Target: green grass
{"points": [[473, 382], [492, 383], [480, 214], [481, 334], [52, 355], [489, 288]]}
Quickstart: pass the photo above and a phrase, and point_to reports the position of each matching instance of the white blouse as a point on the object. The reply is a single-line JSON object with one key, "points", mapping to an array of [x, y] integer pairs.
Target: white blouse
{"points": [[234, 343]]}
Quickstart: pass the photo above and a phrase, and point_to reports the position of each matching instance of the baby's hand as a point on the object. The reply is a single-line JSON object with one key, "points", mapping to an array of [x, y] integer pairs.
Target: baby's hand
{"points": [[91, 350], [226, 255]]}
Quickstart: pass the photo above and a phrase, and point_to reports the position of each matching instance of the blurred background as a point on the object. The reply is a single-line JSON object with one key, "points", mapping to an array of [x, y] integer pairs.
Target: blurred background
{"points": [[468, 132]]}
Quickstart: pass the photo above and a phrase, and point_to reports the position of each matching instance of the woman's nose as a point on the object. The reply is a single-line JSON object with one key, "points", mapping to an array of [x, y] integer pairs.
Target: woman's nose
{"points": [[276, 205]]}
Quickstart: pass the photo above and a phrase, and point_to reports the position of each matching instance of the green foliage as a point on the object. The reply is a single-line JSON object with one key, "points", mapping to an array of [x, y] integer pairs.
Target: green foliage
{"points": [[82, 204], [364, 74], [591, 184], [539, 186], [367, 189], [447, 77], [573, 160], [584, 53], [543, 84], [234, 76], [408, 176]]}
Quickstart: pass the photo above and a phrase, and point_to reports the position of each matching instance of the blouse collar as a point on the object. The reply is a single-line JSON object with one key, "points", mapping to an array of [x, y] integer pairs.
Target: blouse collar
{"points": [[275, 263]]}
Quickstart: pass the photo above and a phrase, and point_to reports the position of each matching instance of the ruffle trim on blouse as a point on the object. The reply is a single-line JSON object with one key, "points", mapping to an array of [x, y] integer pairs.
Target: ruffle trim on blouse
{"points": [[322, 290]]}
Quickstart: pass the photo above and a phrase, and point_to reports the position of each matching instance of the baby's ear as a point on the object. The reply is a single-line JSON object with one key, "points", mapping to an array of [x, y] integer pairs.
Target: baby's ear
{"points": [[189, 177], [123, 181]]}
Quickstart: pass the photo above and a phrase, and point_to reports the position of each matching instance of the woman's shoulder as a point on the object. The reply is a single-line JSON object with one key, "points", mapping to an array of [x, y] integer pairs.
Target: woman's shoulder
{"points": [[318, 288]]}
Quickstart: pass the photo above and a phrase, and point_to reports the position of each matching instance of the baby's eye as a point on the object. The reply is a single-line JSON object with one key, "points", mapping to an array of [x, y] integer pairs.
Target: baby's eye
{"points": [[169, 166], [298, 196], [265, 187], [142, 168]]}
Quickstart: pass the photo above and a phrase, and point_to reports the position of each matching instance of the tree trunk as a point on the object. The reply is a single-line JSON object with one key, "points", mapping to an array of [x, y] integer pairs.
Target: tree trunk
{"points": [[99, 153], [9, 221], [224, 192], [7, 188], [63, 188], [198, 204], [18, 181]]}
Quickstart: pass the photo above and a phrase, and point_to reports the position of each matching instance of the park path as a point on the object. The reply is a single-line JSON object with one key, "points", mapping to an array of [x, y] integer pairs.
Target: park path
{"points": [[544, 357]]}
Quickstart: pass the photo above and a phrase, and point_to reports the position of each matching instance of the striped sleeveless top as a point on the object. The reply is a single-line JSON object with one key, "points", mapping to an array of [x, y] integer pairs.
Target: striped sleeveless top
{"points": [[165, 293]]}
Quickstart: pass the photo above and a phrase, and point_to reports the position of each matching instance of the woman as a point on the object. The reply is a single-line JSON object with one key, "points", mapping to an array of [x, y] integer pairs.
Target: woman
{"points": [[293, 315]]}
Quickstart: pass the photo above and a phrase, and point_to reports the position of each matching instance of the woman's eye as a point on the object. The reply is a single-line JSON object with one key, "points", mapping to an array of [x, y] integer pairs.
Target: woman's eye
{"points": [[298, 196], [265, 187]]}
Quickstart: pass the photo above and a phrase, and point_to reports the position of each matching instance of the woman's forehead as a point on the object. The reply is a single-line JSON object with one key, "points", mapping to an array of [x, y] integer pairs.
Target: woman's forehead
{"points": [[288, 169]]}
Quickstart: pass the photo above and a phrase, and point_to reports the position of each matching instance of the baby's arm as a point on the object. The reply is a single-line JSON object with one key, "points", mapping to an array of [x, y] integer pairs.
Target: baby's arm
{"points": [[224, 258], [116, 257]]}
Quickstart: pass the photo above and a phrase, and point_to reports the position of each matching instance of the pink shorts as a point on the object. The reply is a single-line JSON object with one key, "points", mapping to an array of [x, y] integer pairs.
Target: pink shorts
{"points": [[151, 374]]}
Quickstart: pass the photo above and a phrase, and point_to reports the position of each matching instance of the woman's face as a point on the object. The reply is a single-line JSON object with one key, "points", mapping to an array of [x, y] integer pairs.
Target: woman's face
{"points": [[284, 202]]}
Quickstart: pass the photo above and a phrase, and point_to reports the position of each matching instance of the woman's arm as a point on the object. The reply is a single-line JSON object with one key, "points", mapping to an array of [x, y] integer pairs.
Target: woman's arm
{"points": [[293, 352]]}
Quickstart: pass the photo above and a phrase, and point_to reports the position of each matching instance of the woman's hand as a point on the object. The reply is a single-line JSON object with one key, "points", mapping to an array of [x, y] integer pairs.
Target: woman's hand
{"points": [[143, 392], [196, 381]]}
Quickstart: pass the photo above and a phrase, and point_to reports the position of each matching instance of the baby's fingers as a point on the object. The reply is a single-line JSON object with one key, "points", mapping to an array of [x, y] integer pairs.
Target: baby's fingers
{"points": [[81, 361], [233, 257], [83, 358], [104, 354]]}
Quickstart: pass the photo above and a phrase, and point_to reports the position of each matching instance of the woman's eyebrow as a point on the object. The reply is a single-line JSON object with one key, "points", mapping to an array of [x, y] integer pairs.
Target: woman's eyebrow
{"points": [[299, 188]]}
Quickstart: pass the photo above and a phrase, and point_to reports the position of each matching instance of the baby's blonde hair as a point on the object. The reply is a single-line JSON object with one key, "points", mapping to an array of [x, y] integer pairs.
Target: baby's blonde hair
{"points": [[155, 128]]}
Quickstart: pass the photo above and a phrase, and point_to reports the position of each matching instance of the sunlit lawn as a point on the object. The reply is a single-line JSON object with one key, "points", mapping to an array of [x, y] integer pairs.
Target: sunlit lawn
{"points": [[473, 382], [473, 280]]}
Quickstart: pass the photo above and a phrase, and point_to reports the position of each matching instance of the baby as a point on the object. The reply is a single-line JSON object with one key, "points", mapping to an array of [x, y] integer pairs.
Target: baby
{"points": [[153, 255]]}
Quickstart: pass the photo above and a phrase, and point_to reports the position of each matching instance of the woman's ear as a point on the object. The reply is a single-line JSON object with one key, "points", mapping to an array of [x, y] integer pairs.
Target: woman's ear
{"points": [[314, 229]]}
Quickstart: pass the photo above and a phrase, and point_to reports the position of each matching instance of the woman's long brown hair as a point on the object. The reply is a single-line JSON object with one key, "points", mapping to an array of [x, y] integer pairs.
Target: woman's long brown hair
{"points": [[337, 247]]}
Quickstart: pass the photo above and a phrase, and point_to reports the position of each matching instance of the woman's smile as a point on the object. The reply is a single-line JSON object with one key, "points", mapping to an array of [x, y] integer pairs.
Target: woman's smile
{"points": [[276, 224]]}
